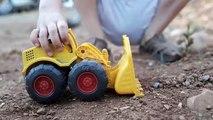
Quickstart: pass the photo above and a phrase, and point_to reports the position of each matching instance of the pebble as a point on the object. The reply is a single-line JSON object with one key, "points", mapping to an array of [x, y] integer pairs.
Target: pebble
{"points": [[135, 97], [180, 105], [174, 83], [124, 108], [41, 111], [208, 85], [151, 63], [205, 77], [111, 112], [157, 85], [187, 83], [56, 118], [166, 106], [51, 112], [49, 117], [34, 114], [187, 67], [139, 105], [190, 86], [168, 82], [132, 108], [182, 117], [2, 104], [177, 86], [115, 108], [25, 114], [209, 107], [181, 77]]}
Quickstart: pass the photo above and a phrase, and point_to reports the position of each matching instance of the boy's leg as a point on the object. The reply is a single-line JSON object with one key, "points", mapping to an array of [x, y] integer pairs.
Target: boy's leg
{"points": [[153, 41], [165, 13]]}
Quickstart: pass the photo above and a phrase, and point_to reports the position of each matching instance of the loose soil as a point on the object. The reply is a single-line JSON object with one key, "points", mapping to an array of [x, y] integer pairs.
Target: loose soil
{"points": [[178, 80]]}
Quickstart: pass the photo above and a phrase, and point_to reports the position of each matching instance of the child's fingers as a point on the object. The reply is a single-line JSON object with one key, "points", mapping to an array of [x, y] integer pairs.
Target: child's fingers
{"points": [[44, 41], [63, 31], [34, 37], [53, 35]]}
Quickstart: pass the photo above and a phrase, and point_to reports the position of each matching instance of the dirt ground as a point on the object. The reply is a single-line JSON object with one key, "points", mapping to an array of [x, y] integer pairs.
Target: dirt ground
{"points": [[178, 80]]}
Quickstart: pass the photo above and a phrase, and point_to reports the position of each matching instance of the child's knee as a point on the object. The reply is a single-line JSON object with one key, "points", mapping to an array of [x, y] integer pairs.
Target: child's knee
{"points": [[115, 36]]}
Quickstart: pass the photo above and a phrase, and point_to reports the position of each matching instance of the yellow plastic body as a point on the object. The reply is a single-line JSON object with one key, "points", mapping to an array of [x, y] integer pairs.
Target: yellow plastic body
{"points": [[120, 77]]}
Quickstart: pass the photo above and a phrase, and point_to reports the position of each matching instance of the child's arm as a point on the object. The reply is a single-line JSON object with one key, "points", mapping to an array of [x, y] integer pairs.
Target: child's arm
{"points": [[51, 25]]}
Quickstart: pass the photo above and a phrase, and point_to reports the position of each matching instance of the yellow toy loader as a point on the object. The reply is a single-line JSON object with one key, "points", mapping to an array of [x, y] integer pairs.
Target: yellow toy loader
{"points": [[84, 68]]}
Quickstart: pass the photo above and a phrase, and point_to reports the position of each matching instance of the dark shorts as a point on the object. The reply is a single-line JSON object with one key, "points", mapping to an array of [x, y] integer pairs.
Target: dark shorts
{"points": [[131, 17]]}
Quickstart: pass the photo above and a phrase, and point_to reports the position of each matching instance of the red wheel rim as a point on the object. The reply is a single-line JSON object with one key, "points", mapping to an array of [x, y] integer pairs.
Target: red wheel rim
{"points": [[87, 82], [44, 86]]}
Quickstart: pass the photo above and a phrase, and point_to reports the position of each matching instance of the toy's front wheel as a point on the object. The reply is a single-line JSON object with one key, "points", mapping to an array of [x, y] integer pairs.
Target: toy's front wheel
{"points": [[45, 83], [88, 80]]}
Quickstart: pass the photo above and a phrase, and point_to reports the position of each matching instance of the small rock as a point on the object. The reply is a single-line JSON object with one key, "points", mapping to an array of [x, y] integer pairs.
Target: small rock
{"points": [[195, 75], [187, 67], [139, 105], [201, 102], [151, 63], [180, 105], [2, 104], [186, 83], [166, 106], [182, 117], [205, 78], [49, 117], [56, 118], [142, 102], [25, 114], [132, 108], [135, 97], [17, 119], [41, 111], [201, 40], [157, 85], [190, 86], [51, 112], [168, 82], [124, 108], [1, 78], [34, 114], [174, 83], [111, 112], [181, 77], [115, 108], [177, 86], [208, 85], [209, 107]]}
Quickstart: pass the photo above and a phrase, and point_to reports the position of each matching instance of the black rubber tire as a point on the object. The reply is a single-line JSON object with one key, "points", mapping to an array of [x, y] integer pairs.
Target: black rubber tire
{"points": [[57, 76], [88, 66]]}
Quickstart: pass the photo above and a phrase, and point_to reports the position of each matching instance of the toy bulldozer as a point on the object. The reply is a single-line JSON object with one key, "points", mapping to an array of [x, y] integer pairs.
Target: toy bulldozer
{"points": [[84, 68]]}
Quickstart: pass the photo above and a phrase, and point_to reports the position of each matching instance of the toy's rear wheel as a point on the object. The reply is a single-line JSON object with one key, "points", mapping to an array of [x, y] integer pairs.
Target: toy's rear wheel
{"points": [[88, 80], [45, 83]]}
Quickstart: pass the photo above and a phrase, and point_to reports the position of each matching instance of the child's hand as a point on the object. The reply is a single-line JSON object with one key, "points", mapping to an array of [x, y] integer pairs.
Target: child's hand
{"points": [[51, 25]]}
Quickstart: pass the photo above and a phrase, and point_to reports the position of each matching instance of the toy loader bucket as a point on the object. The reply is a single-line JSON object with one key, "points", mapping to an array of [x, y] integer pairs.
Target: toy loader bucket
{"points": [[123, 74]]}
